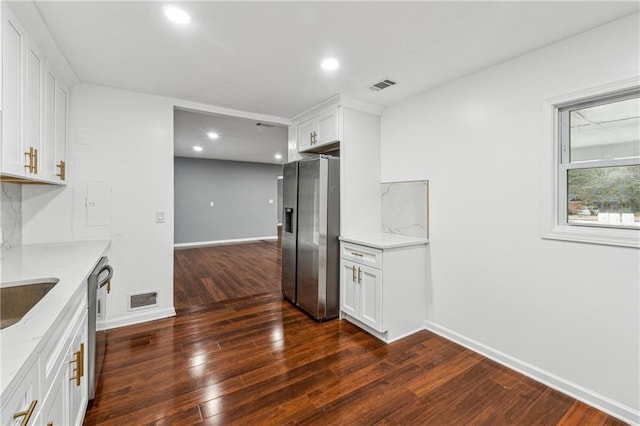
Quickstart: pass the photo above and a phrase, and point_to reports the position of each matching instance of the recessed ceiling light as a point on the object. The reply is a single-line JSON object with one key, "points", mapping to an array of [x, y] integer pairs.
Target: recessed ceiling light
{"points": [[176, 15], [330, 64], [197, 148], [278, 156], [213, 135]]}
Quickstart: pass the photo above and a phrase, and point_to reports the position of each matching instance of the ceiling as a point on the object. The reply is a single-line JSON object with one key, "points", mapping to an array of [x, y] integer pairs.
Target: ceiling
{"points": [[263, 57], [239, 139]]}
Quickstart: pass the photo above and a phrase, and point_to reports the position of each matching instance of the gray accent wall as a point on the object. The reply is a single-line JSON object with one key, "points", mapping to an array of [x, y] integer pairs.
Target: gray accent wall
{"points": [[240, 192]]}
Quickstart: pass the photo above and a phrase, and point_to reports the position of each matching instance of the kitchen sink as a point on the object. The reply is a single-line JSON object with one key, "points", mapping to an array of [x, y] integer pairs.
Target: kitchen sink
{"points": [[18, 299]]}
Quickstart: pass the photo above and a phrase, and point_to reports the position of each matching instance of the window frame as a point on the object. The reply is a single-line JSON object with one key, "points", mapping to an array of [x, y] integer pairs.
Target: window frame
{"points": [[555, 165]]}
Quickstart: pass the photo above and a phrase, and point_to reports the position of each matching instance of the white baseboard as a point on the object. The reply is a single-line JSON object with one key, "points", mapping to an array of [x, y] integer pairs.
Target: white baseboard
{"points": [[139, 317], [601, 402], [216, 242]]}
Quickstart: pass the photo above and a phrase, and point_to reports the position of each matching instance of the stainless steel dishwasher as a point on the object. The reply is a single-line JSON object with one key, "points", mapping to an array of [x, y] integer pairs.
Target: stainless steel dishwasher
{"points": [[99, 282]]}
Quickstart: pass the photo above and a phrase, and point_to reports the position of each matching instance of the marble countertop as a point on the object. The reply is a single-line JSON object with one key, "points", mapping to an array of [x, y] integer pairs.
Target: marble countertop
{"points": [[381, 240], [71, 263]]}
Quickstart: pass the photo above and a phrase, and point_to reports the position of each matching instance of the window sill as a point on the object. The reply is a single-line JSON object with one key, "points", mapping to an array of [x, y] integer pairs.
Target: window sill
{"points": [[593, 235]]}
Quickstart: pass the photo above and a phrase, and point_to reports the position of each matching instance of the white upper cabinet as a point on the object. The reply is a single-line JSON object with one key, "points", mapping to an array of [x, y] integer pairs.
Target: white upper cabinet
{"points": [[33, 122], [56, 96], [34, 109], [328, 130], [49, 136], [321, 132], [306, 134], [14, 48]]}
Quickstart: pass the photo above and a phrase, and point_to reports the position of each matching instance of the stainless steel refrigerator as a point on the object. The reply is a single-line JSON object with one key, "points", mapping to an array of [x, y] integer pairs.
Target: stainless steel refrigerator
{"points": [[310, 246]]}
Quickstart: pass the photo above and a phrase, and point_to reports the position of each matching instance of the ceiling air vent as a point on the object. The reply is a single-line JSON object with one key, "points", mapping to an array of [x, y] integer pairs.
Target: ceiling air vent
{"points": [[376, 87]]}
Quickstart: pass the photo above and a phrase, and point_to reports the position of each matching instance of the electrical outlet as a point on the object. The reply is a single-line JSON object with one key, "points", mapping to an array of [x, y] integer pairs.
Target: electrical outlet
{"points": [[270, 201], [211, 204]]}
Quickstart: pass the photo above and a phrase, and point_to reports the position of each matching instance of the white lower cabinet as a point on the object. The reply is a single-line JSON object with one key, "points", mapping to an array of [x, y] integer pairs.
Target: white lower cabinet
{"points": [[66, 399], [77, 383], [54, 390], [24, 403], [362, 293], [384, 289]]}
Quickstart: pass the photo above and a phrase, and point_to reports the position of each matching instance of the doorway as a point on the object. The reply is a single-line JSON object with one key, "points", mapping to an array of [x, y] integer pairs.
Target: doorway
{"points": [[226, 213]]}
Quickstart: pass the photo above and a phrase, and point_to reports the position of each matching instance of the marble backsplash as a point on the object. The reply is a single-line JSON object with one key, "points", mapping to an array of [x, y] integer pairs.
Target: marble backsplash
{"points": [[11, 215], [405, 208]]}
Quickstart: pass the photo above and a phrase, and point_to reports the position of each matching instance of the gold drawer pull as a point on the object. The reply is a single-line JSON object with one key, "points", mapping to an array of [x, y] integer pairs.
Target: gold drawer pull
{"points": [[359, 275], [356, 254], [30, 165], [26, 414], [79, 360], [35, 162], [63, 170], [354, 274]]}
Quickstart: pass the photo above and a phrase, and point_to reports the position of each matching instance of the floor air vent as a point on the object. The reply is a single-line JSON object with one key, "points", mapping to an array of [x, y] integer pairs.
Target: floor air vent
{"points": [[143, 300], [376, 87]]}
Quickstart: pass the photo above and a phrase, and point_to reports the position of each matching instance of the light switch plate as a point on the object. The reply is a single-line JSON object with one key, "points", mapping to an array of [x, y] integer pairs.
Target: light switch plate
{"points": [[160, 216]]}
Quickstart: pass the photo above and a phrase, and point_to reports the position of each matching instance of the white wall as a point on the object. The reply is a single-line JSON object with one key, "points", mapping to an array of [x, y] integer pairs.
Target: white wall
{"points": [[123, 139], [566, 313]]}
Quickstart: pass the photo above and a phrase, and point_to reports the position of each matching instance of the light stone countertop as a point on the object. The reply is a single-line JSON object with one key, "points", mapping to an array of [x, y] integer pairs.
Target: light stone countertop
{"points": [[381, 240], [71, 263]]}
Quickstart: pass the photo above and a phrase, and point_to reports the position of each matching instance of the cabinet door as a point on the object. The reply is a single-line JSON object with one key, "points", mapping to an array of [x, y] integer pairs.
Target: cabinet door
{"points": [[306, 134], [49, 134], [33, 106], [14, 47], [61, 119], [54, 410], [348, 293], [328, 127], [78, 390], [55, 127], [370, 285]]}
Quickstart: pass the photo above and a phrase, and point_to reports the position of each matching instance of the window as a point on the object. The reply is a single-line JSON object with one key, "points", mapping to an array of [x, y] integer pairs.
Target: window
{"points": [[597, 168]]}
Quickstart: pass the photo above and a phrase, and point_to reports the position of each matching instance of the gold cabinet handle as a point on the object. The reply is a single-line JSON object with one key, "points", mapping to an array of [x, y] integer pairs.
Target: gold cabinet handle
{"points": [[359, 275], [26, 414], [30, 165], [63, 170], [354, 274], [356, 254], [79, 360], [50, 424], [35, 161]]}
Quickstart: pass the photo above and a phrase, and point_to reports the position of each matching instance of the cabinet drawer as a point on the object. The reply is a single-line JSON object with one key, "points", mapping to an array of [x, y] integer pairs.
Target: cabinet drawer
{"points": [[362, 254]]}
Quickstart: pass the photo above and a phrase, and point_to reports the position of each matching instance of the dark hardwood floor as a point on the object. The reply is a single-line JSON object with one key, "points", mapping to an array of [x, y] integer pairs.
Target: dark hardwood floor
{"points": [[216, 273], [255, 359]]}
